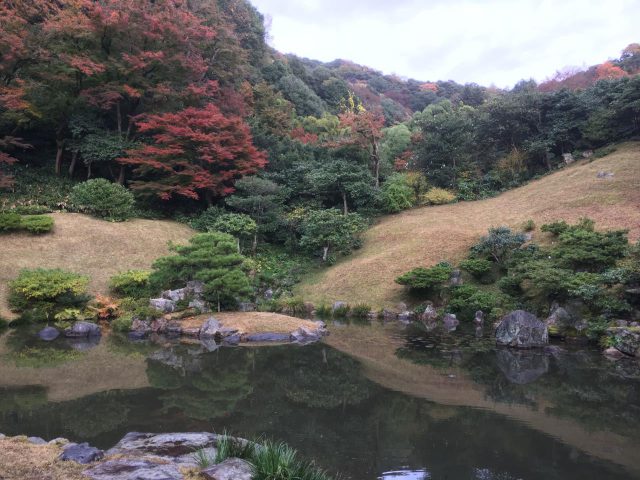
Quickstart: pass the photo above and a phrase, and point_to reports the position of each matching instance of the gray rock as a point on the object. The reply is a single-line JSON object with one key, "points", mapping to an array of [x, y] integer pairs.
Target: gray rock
{"points": [[173, 329], [568, 158], [2, 435], [522, 330], [141, 326], [83, 330], [627, 340], [134, 469], [587, 154], [81, 453], [230, 469], [450, 322], [163, 304], [456, 278], [406, 316], [175, 295], [247, 307], [209, 344], [305, 335], [195, 288], [605, 175], [60, 441], [430, 315], [268, 294], [613, 353], [388, 314], [267, 337], [163, 444], [234, 339], [479, 318], [48, 334], [136, 336], [522, 367], [210, 328], [199, 305], [36, 440]]}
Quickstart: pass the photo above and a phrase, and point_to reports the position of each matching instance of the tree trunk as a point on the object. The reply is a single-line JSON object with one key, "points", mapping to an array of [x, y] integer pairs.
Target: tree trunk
{"points": [[345, 206], [325, 253], [88, 170], [74, 160], [254, 247], [238, 241], [59, 154], [219, 310], [376, 163], [119, 118], [122, 175]]}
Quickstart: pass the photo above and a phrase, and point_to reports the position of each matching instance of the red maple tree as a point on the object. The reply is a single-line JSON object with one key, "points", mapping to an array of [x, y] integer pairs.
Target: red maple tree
{"points": [[194, 153]]}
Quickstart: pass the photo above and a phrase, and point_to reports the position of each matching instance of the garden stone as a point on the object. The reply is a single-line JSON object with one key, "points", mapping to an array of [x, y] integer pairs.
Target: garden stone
{"points": [[163, 444], [522, 330], [83, 330], [232, 339], [195, 288], [456, 278], [141, 326], [605, 175], [627, 340], [339, 305], [430, 315], [389, 314], [450, 322], [210, 328], [199, 305], [479, 318], [2, 435], [230, 469], [305, 335], [268, 294], [163, 304], [613, 353], [175, 295], [247, 307], [406, 316], [173, 329], [36, 440], [522, 367], [134, 469], [568, 158], [81, 453], [48, 334], [209, 344]]}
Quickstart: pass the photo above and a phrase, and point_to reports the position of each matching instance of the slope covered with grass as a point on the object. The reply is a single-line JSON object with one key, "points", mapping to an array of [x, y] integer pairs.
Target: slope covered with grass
{"points": [[426, 236], [89, 246]]}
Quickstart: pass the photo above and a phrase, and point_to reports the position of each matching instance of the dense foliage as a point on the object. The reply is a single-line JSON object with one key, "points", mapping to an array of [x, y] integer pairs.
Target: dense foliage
{"points": [[103, 199]]}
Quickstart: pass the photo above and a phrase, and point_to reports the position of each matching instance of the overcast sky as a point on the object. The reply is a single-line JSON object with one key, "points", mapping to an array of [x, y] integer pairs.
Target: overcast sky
{"points": [[484, 41]]}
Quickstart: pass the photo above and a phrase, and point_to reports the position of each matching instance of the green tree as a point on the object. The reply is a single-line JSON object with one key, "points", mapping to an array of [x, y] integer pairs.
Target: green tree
{"points": [[237, 224], [212, 258], [330, 230]]}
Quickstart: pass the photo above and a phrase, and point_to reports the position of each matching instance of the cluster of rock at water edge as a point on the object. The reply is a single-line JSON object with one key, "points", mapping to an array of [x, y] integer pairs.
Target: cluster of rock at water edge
{"points": [[151, 456], [189, 297]]}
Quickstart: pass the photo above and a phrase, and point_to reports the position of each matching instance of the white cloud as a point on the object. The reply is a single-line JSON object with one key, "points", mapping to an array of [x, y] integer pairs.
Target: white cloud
{"points": [[488, 41]]}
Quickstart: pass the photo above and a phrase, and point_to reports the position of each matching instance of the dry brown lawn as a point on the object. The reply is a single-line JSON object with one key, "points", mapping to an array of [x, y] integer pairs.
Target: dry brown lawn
{"points": [[21, 460], [89, 246], [252, 322], [425, 236]]}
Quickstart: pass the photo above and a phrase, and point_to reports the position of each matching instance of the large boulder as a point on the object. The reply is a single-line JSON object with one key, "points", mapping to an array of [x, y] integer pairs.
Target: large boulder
{"points": [[230, 469], [522, 330], [429, 316], [522, 367], [81, 453], [175, 295], [566, 320], [626, 339], [210, 328], [267, 337], [163, 304], [135, 469], [450, 322], [83, 330], [163, 444]]}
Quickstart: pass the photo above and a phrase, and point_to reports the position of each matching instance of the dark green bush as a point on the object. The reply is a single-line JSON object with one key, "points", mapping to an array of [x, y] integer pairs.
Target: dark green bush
{"points": [[207, 219], [466, 300], [584, 249], [499, 244], [47, 291], [361, 310], [37, 224], [103, 199], [122, 324], [342, 311], [132, 283], [529, 226], [426, 278], [323, 311], [555, 228], [9, 221], [479, 268], [31, 209]]}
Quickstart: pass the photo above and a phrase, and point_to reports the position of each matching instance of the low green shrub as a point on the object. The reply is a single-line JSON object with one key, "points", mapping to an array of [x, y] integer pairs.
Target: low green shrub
{"points": [[47, 290], [138, 307], [499, 244], [438, 196], [361, 310], [9, 222], [466, 300], [122, 324], [529, 226], [37, 224], [132, 283], [291, 305], [230, 447], [396, 194], [555, 228], [342, 311], [278, 461], [104, 199], [426, 278], [323, 311], [479, 268], [31, 209]]}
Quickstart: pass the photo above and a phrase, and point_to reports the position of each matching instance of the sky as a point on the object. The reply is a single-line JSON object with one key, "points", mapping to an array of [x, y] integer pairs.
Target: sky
{"points": [[489, 42]]}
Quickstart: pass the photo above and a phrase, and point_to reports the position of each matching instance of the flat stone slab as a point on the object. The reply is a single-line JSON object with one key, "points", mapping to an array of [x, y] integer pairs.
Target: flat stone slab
{"points": [[81, 453], [163, 444], [267, 337]]}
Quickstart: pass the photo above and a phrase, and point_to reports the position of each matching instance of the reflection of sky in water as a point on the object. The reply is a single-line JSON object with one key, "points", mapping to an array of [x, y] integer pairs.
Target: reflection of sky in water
{"points": [[406, 475]]}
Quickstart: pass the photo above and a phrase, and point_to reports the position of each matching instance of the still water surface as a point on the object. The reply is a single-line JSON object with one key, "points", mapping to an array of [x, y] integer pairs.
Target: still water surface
{"points": [[370, 402]]}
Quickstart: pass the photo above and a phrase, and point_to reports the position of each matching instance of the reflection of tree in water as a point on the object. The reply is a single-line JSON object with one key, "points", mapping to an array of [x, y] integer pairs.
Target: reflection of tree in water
{"points": [[28, 351], [17, 399], [327, 381], [578, 384], [202, 388]]}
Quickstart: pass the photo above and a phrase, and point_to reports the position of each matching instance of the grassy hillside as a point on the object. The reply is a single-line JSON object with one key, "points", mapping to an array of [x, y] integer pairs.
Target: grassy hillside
{"points": [[87, 245], [425, 236]]}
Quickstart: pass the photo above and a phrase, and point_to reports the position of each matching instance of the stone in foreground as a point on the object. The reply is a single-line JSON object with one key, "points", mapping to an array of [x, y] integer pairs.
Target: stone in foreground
{"points": [[230, 469], [134, 469], [81, 453], [522, 329], [163, 444], [83, 330]]}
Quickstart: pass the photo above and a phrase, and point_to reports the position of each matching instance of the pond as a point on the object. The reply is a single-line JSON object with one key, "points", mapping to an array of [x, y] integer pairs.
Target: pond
{"points": [[371, 401]]}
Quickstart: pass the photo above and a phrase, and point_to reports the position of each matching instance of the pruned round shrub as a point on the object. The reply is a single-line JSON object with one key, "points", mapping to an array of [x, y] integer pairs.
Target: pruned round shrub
{"points": [[396, 194], [37, 224], [47, 290], [103, 199], [466, 300], [438, 196], [31, 209], [426, 278], [479, 268], [132, 283], [9, 221], [361, 310], [122, 324]]}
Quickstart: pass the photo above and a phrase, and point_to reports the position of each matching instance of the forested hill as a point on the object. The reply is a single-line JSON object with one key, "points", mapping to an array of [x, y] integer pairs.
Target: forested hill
{"points": [[184, 103]]}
